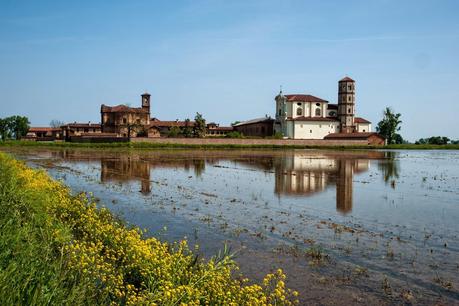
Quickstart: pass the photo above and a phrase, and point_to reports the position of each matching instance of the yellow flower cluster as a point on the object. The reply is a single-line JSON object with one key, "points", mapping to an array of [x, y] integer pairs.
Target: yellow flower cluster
{"points": [[124, 268]]}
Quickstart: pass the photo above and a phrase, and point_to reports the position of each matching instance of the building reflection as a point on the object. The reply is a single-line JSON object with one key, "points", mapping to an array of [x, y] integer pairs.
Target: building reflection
{"points": [[126, 168], [298, 173], [305, 174]]}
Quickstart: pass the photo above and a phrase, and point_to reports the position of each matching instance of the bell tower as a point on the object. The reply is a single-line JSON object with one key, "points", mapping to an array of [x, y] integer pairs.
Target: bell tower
{"points": [[146, 101], [346, 105]]}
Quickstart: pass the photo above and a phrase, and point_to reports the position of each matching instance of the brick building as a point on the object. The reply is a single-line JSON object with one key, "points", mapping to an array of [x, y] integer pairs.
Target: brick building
{"points": [[260, 127], [127, 121]]}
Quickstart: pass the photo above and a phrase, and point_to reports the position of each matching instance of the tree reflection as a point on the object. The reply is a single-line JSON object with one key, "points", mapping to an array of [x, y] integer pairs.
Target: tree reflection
{"points": [[389, 167]]}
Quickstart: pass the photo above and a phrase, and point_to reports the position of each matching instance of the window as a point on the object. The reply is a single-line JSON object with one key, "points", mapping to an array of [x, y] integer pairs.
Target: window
{"points": [[364, 131], [349, 87], [332, 114], [124, 120], [299, 104], [317, 104], [138, 121], [280, 112], [318, 112], [350, 98], [348, 110], [320, 126], [310, 131], [299, 111]]}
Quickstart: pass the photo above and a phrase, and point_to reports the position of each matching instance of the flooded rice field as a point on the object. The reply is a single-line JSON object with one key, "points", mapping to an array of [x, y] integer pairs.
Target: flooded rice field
{"points": [[348, 227]]}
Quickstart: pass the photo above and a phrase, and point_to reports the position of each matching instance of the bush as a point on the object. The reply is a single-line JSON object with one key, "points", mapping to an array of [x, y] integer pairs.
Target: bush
{"points": [[60, 249], [174, 132], [234, 134]]}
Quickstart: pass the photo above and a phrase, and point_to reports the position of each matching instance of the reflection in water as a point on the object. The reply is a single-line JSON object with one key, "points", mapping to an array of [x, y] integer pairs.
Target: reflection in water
{"points": [[125, 168], [389, 168], [296, 173], [306, 174]]}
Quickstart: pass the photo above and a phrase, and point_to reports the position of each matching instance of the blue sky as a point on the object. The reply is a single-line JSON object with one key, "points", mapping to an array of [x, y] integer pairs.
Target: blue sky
{"points": [[227, 59]]}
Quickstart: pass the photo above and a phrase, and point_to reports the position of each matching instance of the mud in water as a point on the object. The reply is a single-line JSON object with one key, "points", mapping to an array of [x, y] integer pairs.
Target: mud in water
{"points": [[348, 227]]}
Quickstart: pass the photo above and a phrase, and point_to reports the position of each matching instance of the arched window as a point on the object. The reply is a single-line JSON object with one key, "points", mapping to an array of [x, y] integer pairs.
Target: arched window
{"points": [[318, 112], [299, 111], [280, 112]]}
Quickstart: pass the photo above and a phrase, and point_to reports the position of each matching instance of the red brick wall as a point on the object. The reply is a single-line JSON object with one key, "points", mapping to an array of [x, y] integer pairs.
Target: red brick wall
{"points": [[236, 141]]}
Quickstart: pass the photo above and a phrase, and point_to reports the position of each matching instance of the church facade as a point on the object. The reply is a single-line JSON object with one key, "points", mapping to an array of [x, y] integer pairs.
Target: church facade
{"points": [[126, 121], [303, 116]]}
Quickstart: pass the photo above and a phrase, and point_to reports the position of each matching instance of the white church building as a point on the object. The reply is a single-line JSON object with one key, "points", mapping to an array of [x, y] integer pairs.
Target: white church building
{"points": [[302, 116]]}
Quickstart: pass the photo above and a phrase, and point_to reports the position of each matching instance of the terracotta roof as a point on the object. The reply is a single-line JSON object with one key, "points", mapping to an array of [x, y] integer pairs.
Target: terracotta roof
{"points": [[258, 120], [312, 119], [43, 129], [122, 109], [160, 123], [303, 98], [346, 79], [351, 135], [223, 128], [332, 106], [82, 125], [361, 120]]}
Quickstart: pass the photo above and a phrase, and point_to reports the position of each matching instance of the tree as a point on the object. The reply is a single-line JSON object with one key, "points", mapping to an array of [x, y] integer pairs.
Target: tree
{"points": [[173, 131], [56, 123], [4, 129], [435, 140], [389, 125], [199, 128], [16, 126], [187, 130]]}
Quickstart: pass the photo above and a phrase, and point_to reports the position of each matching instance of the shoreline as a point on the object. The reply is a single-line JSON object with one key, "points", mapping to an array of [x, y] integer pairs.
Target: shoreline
{"points": [[221, 143]]}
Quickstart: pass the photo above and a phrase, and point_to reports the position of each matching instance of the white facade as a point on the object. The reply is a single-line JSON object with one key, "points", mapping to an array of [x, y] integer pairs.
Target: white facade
{"points": [[314, 129], [303, 116], [363, 127]]}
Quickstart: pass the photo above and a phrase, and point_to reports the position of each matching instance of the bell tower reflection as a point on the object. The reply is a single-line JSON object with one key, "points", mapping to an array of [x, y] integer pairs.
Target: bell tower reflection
{"points": [[344, 186], [126, 168], [306, 174]]}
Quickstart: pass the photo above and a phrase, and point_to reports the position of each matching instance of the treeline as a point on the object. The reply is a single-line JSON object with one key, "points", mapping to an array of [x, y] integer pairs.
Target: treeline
{"points": [[436, 140], [14, 127], [196, 129]]}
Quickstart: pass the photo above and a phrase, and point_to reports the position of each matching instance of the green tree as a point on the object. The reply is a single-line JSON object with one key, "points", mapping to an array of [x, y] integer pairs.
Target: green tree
{"points": [[4, 129], [389, 126], [18, 126], [174, 131], [187, 130], [199, 128], [435, 140]]}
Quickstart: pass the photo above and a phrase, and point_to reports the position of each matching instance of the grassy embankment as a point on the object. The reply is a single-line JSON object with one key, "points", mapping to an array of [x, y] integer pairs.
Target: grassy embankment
{"points": [[58, 249], [147, 145]]}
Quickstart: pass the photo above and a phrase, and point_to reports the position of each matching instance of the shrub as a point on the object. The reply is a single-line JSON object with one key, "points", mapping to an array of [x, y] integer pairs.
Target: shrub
{"points": [[234, 134]]}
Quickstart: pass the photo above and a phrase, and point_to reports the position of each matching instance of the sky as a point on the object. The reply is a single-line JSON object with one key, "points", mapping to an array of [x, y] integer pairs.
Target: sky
{"points": [[227, 59]]}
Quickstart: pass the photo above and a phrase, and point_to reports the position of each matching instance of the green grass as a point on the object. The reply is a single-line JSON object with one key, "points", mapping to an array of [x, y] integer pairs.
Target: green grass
{"points": [[148, 145]]}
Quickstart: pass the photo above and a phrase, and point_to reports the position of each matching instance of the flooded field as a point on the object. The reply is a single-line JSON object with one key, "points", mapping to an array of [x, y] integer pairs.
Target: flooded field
{"points": [[348, 227]]}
